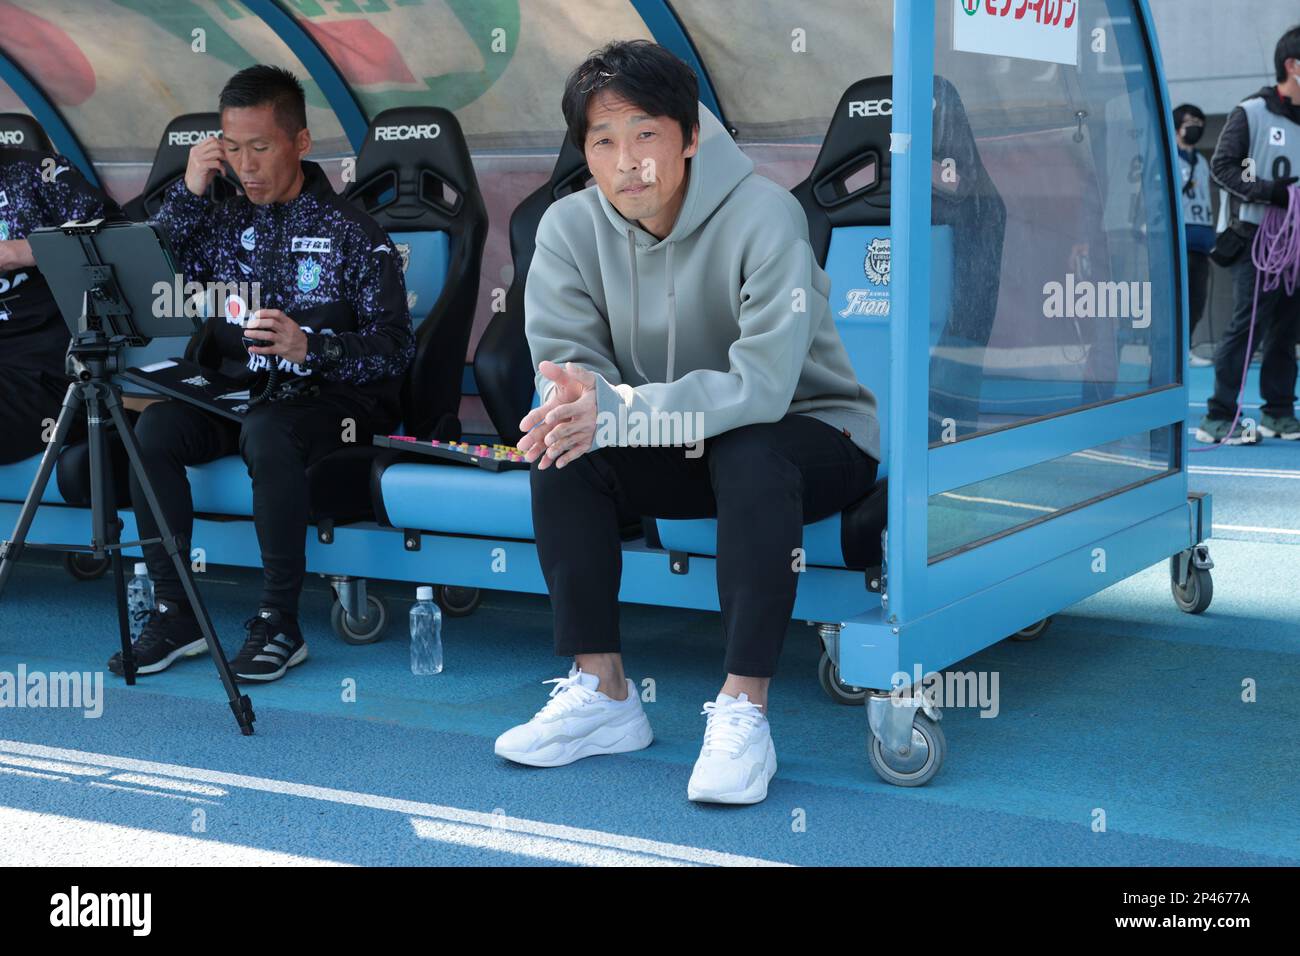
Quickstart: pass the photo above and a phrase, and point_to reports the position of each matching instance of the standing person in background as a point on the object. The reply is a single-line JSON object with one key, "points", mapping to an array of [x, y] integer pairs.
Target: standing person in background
{"points": [[1256, 160], [1189, 122]]}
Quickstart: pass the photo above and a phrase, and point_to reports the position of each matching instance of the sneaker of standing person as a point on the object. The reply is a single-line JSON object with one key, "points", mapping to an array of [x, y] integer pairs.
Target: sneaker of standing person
{"points": [[738, 758], [578, 721], [171, 632], [1214, 431], [1285, 427], [1196, 361], [274, 644]]}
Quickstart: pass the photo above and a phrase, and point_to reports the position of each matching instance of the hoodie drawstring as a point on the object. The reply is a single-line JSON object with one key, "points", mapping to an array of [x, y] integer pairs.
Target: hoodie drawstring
{"points": [[636, 309]]}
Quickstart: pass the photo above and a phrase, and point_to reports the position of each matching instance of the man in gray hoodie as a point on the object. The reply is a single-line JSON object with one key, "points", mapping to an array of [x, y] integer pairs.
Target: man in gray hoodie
{"points": [[689, 367]]}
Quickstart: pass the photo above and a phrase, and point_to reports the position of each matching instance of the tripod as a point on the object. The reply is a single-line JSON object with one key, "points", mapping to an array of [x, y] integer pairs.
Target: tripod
{"points": [[95, 357]]}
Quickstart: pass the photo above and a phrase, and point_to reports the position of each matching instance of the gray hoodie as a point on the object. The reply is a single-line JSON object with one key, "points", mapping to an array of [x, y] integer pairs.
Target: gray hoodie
{"points": [[755, 339]]}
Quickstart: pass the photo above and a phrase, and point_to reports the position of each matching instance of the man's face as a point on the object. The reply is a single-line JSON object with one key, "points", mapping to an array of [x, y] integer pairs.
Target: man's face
{"points": [[638, 161], [263, 155]]}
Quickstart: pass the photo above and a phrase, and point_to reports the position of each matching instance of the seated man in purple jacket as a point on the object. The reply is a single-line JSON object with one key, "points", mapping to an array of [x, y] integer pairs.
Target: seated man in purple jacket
{"points": [[304, 252]]}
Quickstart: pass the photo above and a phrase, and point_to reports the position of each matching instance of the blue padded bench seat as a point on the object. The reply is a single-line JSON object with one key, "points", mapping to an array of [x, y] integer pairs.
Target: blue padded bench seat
{"points": [[821, 539], [16, 480], [456, 499], [222, 487]]}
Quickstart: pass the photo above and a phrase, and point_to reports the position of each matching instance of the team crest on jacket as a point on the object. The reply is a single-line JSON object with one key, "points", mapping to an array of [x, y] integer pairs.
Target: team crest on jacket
{"points": [[4, 230], [308, 275], [876, 264], [248, 239]]}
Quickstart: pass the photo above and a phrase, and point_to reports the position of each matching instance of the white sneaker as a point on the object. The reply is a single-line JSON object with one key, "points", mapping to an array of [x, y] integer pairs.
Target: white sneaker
{"points": [[737, 759], [578, 721]]}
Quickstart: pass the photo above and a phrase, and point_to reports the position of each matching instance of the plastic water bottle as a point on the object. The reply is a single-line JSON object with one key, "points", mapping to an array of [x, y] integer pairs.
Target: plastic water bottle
{"points": [[426, 634], [139, 600]]}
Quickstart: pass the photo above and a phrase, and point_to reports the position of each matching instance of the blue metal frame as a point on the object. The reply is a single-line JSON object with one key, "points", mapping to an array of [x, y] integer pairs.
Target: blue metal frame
{"points": [[319, 67], [47, 114], [909, 343], [669, 31], [935, 614], [1165, 108]]}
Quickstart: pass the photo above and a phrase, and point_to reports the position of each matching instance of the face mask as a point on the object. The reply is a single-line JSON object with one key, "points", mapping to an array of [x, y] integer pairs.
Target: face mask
{"points": [[1192, 135]]}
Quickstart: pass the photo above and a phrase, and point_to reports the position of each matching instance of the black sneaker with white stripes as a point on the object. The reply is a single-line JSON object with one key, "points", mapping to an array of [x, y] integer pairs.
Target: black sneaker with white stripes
{"points": [[172, 631], [274, 645]]}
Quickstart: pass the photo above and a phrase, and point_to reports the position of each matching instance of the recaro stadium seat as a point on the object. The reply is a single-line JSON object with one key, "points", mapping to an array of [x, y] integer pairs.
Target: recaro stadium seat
{"points": [[458, 500], [503, 366], [416, 178], [169, 164], [846, 199], [423, 191], [20, 131], [414, 175]]}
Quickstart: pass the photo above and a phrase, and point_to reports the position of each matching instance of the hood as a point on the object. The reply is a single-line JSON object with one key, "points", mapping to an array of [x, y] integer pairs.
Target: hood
{"points": [[1276, 103], [717, 168]]}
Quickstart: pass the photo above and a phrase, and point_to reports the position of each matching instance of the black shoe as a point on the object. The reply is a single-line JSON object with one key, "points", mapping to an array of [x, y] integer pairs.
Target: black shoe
{"points": [[274, 645], [171, 631]]}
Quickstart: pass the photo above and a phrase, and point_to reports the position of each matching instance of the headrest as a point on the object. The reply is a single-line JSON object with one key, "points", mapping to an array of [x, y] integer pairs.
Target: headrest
{"points": [[174, 154], [570, 173], [414, 171], [20, 131], [850, 179]]}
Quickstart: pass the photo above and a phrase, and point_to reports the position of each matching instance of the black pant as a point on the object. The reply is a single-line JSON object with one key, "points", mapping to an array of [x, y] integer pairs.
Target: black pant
{"points": [[1198, 281], [1276, 325], [277, 441], [28, 399], [762, 482]]}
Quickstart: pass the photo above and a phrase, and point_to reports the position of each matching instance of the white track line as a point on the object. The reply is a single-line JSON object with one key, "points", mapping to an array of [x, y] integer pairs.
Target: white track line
{"points": [[433, 821], [1246, 527]]}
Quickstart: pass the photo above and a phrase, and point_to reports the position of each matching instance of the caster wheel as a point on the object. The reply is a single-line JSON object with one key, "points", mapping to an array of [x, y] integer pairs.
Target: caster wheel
{"points": [[829, 677], [928, 750], [85, 567], [1196, 596], [1032, 631], [365, 631], [456, 601]]}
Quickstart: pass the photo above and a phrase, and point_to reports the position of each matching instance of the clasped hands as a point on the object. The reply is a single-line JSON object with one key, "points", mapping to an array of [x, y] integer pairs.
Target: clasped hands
{"points": [[562, 428]]}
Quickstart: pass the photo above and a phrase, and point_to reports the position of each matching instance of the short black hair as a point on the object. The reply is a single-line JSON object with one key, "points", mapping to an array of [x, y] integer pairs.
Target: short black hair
{"points": [[1185, 110], [639, 71], [261, 84], [1288, 48]]}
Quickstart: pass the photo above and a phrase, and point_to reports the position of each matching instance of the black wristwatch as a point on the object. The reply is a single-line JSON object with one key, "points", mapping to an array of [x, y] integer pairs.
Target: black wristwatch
{"points": [[331, 351]]}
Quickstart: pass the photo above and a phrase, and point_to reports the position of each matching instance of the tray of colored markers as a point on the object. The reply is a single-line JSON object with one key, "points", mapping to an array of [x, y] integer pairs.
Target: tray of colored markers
{"points": [[491, 457]]}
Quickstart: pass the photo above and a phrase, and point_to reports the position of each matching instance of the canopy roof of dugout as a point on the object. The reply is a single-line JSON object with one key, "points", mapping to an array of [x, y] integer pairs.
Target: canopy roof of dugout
{"points": [[116, 72]]}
